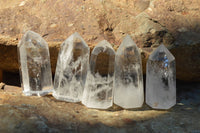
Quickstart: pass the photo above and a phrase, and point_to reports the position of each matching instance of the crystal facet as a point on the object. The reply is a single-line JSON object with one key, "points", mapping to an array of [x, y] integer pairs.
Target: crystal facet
{"points": [[71, 69], [161, 79], [35, 67], [128, 81], [98, 92]]}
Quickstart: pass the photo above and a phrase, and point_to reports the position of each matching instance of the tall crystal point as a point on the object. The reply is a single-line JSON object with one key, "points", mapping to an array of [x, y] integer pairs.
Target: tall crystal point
{"points": [[98, 92], [35, 67], [128, 81], [71, 69], [161, 79]]}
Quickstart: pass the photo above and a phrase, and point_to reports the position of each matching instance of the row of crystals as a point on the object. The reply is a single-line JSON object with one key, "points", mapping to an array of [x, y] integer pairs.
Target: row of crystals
{"points": [[78, 79]]}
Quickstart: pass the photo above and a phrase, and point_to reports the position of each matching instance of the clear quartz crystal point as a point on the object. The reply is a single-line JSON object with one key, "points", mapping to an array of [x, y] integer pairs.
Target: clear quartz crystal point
{"points": [[128, 81], [35, 67], [98, 92], [161, 79], [71, 69]]}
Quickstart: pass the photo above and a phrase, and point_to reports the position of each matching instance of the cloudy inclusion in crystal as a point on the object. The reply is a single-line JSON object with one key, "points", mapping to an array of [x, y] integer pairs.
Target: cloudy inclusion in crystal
{"points": [[161, 79], [128, 81], [98, 92], [71, 69], [35, 67]]}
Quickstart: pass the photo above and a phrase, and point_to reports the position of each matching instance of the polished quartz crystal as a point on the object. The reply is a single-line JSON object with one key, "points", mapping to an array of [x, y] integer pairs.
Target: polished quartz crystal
{"points": [[71, 69], [161, 79], [98, 92], [128, 81], [35, 67]]}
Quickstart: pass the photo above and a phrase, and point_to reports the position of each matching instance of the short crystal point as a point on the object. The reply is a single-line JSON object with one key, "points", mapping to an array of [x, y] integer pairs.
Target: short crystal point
{"points": [[128, 80], [71, 69], [35, 67], [161, 79], [98, 92]]}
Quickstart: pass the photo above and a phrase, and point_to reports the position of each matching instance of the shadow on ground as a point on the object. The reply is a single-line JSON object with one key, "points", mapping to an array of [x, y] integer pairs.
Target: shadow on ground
{"points": [[19, 113]]}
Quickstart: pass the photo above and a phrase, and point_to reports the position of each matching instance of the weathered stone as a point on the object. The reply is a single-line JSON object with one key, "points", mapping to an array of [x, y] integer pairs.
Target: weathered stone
{"points": [[19, 113], [2, 85], [150, 22]]}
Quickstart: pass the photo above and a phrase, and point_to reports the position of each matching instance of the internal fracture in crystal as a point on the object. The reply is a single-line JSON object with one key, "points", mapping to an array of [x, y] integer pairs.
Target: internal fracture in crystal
{"points": [[35, 67], [128, 81], [71, 69], [161, 79], [98, 92]]}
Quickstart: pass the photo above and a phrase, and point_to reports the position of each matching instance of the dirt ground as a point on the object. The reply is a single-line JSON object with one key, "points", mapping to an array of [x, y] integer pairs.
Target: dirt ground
{"points": [[33, 114]]}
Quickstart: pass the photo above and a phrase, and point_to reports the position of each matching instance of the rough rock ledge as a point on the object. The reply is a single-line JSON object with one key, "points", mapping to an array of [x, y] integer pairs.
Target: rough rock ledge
{"points": [[20, 113]]}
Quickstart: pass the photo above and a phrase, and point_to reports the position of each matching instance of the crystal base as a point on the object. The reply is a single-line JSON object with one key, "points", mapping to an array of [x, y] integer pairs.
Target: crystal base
{"points": [[65, 98], [104, 105], [37, 93]]}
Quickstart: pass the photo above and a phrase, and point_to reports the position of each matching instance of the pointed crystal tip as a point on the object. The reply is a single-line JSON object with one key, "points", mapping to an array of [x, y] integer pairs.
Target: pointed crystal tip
{"points": [[103, 46], [76, 34], [128, 41], [127, 44], [31, 35], [76, 38], [161, 49], [128, 37], [104, 43]]}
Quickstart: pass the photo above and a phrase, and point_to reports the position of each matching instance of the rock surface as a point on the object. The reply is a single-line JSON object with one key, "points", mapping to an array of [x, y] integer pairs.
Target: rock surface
{"points": [[20, 113], [176, 23]]}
